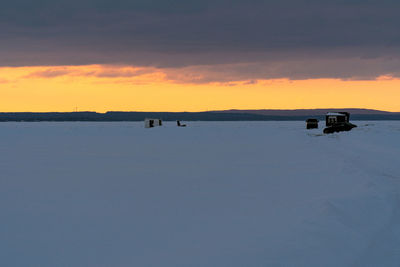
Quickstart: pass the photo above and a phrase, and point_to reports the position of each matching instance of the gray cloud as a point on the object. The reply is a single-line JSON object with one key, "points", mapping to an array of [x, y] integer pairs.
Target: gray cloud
{"points": [[317, 65], [122, 73], [102, 72], [49, 73], [285, 38]]}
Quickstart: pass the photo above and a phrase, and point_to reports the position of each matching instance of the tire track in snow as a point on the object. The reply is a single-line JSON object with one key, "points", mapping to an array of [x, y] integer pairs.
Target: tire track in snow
{"points": [[383, 248]]}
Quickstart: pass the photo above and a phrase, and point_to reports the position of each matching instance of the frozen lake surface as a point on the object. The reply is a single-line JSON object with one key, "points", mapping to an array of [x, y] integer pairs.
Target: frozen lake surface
{"points": [[211, 194]]}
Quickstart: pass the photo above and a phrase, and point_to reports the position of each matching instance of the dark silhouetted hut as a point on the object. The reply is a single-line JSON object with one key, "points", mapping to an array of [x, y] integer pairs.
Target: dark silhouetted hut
{"points": [[149, 123], [312, 123], [338, 122], [333, 118]]}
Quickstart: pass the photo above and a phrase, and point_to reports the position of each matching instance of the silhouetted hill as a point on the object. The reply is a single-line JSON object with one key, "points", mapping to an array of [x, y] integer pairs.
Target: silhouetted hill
{"points": [[224, 115], [307, 112]]}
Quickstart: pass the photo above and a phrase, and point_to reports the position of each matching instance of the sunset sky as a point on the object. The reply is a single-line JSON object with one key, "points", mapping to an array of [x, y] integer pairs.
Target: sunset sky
{"points": [[185, 55]]}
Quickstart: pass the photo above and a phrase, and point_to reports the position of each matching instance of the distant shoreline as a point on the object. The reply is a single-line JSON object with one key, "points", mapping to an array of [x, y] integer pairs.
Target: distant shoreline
{"points": [[224, 115]]}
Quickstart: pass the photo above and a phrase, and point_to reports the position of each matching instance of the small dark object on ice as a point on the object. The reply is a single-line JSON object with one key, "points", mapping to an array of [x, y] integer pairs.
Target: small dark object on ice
{"points": [[312, 123], [179, 124]]}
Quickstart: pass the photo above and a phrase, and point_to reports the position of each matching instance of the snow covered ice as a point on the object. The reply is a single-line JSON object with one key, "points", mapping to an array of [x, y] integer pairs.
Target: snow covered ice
{"points": [[211, 194]]}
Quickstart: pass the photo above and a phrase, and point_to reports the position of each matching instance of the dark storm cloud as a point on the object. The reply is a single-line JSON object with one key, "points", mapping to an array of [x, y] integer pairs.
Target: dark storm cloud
{"points": [[261, 39]]}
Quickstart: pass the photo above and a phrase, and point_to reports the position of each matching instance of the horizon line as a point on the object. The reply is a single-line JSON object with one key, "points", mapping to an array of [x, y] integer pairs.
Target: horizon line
{"points": [[216, 110]]}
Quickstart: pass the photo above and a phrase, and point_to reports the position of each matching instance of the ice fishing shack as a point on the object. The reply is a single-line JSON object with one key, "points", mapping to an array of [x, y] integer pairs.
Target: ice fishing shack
{"points": [[312, 123], [333, 118], [338, 122], [149, 123]]}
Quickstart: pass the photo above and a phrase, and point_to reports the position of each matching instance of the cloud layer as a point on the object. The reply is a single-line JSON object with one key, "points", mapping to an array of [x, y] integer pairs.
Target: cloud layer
{"points": [[208, 40]]}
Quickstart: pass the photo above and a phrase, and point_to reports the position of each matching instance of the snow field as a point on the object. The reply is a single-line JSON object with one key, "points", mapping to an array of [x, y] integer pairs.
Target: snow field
{"points": [[210, 194]]}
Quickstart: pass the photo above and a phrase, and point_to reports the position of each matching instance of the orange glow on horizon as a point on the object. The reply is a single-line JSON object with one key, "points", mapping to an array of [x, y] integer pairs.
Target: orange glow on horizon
{"points": [[118, 88]]}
